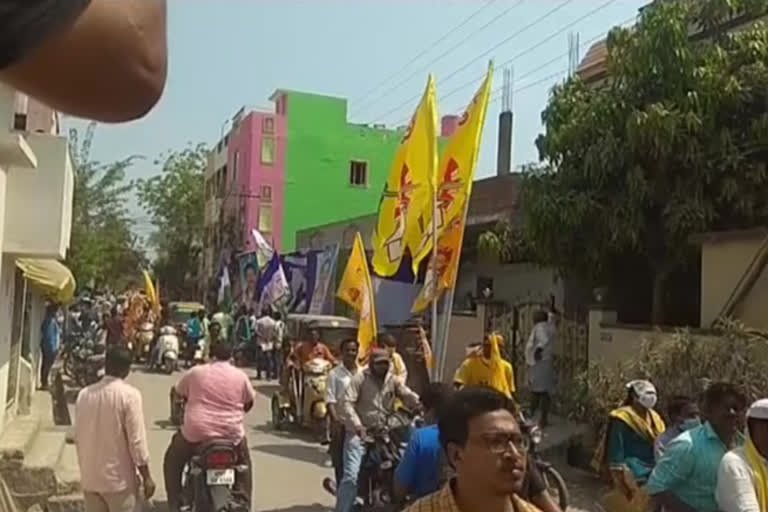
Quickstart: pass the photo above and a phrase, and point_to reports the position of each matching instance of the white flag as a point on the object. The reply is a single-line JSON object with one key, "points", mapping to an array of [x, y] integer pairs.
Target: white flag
{"points": [[264, 251], [225, 285]]}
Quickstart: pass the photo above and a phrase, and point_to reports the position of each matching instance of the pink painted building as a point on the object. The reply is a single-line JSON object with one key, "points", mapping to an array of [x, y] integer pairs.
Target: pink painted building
{"points": [[245, 182]]}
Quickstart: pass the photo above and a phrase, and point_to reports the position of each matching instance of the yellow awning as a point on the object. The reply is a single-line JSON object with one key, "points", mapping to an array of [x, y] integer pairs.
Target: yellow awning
{"points": [[53, 278]]}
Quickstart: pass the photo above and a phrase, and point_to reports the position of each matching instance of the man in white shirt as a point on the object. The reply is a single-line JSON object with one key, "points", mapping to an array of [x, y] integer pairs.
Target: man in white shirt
{"points": [[338, 380], [742, 480], [266, 332]]}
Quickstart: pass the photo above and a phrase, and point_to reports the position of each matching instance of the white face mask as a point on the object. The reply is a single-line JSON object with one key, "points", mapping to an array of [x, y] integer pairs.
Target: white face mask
{"points": [[647, 400]]}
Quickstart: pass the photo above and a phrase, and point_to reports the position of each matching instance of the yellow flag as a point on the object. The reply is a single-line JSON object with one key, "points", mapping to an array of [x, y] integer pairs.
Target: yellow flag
{"points": [[356, 290], [456, 169], [454, 187], [149, 288], [407, 193], [448, 253]]}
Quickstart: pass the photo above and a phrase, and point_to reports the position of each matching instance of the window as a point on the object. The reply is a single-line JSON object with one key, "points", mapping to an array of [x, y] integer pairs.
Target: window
{"points": [[20, 122], [358, 173], [265, 218], [267, 150], [266, 194], [268, 125]]}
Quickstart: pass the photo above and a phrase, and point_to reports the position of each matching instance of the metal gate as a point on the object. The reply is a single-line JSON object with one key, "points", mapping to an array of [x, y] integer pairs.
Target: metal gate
{"points": [[516, 324]]}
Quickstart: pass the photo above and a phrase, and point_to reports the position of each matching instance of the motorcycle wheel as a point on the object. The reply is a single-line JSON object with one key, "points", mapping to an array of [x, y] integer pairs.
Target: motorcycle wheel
{"points": [[168, 366], [555, 485], [69, 365]]}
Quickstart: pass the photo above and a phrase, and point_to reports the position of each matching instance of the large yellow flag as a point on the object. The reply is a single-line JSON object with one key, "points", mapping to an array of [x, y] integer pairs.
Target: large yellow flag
{"points": [[149, 288], [407, 193], [454, 187], [356, 290], [456, 169]]}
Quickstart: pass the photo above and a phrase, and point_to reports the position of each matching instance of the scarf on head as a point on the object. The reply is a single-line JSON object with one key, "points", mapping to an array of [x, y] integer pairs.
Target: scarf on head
{"points": [[755, 461], [649, 430]]}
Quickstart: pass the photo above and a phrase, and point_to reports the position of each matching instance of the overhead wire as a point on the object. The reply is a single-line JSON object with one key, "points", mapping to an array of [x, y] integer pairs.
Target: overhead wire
{"points": [[486, 53], [445, 53], [425, 51], [546, 64], [528, 50]]}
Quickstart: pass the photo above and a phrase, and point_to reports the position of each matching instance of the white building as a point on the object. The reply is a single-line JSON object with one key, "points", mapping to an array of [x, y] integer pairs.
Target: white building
{"points": [[36, 186]]}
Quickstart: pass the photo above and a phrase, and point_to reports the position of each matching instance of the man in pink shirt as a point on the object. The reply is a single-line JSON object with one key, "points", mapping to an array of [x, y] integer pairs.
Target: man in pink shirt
{"points": [[111, 440], [217, 397]]}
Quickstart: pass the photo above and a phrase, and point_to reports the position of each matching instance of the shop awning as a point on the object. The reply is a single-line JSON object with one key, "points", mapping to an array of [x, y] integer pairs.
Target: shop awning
{"points": [[50, 276]]}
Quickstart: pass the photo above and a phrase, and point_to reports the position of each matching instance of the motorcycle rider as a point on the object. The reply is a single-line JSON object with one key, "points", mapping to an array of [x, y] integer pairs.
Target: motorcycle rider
{"points": [[308, 350], [368, 399], [217, 397], [338, 380]]}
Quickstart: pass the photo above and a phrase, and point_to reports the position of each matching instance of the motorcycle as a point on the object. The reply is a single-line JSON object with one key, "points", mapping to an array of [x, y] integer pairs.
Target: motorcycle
{"points": [[143, 341], [83, 358], [210, 478], [555, 483], [384, 449], [304, 400], [167, 350]]}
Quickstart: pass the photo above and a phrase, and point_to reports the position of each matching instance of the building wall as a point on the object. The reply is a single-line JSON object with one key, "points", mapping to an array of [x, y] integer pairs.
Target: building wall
{"points": [[723, 263], [7, 286], [254, 173], [513, 284], [320, 146]]}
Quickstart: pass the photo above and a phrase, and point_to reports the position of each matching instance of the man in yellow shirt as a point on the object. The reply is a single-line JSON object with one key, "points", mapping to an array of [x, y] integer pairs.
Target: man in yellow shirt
{"points": [[487, 369]]}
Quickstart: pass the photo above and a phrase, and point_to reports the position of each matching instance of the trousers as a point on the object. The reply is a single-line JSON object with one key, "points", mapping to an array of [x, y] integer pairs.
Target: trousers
{"points": [[346, 494]]}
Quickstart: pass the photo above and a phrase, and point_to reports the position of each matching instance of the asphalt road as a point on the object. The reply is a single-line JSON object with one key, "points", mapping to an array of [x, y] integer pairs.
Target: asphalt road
{"points": [[287, 468]]}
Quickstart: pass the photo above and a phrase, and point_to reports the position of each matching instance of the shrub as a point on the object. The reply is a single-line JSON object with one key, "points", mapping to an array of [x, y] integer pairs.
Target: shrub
{"points": [[678, 364]]}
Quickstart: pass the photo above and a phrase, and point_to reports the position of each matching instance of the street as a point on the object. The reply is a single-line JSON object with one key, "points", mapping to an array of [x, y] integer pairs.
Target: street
{"points": [[287, 471], [287, 468]]}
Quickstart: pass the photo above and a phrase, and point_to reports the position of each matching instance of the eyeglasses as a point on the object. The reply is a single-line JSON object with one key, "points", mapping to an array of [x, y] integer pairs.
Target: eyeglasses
{"points": [[500, 443]]}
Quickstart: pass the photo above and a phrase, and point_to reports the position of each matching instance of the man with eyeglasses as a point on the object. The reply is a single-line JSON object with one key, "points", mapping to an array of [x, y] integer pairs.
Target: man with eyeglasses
{"points": [[487, 451]]}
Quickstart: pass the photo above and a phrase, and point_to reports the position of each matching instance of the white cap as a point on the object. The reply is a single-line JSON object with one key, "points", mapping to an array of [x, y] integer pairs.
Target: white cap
{"points": [[641, 387], [758, 410]]}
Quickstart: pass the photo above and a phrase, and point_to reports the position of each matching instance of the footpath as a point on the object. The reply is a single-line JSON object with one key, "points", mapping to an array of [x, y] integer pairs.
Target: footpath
{"points": [[38, 466]]}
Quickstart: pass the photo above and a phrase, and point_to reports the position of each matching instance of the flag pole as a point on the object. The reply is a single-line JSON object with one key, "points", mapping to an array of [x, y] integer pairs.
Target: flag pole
{"points": [[448, 306], [436, 339]]}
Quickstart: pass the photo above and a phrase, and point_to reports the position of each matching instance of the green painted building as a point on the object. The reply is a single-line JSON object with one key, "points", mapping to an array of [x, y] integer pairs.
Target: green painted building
{"points": [[333, 170]]}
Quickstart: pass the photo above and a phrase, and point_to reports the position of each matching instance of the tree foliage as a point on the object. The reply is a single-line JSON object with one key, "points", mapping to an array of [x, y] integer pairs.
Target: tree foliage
{"points": [[673, 143], [174, 200], [103, 249]]}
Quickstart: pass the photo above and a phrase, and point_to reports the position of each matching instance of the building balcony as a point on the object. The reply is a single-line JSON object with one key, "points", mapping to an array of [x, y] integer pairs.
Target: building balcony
{"points": [[38, 203]]}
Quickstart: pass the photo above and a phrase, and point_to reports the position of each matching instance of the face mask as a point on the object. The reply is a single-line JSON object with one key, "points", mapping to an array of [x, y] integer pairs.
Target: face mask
{"points": [[689, 424], [647, 400]]}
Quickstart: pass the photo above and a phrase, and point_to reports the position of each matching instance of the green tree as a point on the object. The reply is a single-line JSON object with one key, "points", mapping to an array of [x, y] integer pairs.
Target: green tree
{"points": [[672, 144], [103, 249], [174, 201]]}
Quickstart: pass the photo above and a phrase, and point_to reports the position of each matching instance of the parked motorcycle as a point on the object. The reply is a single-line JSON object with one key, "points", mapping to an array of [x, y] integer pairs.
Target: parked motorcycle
{"points": [[83, 358], [166, 351], [384, 449], [556, 487]]}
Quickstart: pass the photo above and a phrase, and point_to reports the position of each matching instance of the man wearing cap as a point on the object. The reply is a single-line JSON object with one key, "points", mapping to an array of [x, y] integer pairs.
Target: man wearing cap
{"points": [[369, 397], [742, 479]]}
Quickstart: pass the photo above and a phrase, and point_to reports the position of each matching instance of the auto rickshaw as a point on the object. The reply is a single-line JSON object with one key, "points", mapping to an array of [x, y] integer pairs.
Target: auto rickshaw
{"points": [[301, 398]]}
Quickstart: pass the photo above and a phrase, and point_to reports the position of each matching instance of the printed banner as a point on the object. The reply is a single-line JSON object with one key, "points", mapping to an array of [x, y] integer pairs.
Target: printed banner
{"points": [[249, 280], [326, 274]]}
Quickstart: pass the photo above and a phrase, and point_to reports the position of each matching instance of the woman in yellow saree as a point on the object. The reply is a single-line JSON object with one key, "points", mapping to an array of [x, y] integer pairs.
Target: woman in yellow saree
{"points": [[487, 368]]}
